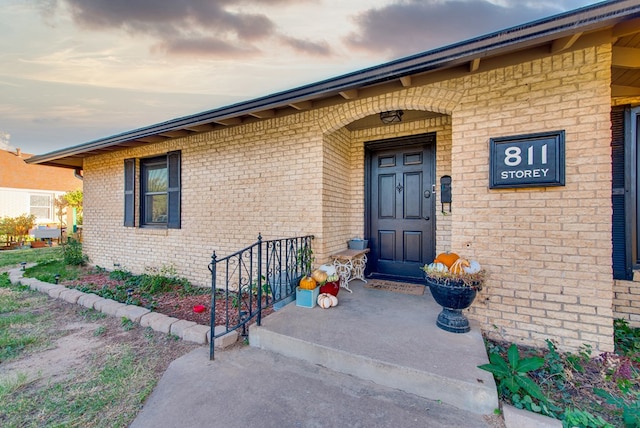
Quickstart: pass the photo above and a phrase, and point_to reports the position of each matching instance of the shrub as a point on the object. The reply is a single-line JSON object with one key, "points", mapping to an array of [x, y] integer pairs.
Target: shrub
{"points": [[72, 251], [16, 229]]}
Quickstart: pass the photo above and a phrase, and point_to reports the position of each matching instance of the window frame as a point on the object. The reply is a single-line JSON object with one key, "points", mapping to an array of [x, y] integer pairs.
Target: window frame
{"points": [[49, 206], [173, 161], [147, 165]]}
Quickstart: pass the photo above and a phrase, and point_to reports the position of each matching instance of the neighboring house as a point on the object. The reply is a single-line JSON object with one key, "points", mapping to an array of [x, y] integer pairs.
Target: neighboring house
{"points": [[520, 120], [32, 189]]}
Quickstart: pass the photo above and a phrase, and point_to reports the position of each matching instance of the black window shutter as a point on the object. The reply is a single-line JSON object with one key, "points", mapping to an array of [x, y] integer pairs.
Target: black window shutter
{"points": [[129, 192], [618, 195], [173, 164]]}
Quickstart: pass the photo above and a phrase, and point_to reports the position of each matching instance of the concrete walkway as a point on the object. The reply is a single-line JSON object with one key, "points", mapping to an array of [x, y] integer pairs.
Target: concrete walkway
{"points": [[249, 387], [375, 360]]}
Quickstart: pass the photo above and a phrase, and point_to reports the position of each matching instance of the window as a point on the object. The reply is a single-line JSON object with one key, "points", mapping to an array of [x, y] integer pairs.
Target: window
{"points": [[154, 183], [40, 206], [159, 202], [625, 192]]}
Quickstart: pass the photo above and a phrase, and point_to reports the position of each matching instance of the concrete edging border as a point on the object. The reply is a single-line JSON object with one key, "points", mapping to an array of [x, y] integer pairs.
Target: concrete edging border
{"points": [[185, 330]]}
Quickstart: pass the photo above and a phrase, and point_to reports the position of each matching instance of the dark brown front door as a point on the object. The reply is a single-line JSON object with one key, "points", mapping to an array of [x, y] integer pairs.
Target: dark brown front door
{"points": [[401, 205]]}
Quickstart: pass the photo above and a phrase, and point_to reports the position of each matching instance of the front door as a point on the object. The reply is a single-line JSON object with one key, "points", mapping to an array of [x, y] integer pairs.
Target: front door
{"points": [[401, 205]]}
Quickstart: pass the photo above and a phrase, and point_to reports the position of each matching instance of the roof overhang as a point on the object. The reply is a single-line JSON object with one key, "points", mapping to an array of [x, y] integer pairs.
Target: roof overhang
{"points": [[558, 32]]}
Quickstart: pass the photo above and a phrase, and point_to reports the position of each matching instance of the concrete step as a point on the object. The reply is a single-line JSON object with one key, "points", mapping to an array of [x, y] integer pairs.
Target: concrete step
{"points": [[250, 387], [387, 338]]}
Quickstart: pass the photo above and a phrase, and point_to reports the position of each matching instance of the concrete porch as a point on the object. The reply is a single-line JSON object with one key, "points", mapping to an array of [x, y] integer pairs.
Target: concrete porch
{"points": [[388, 338]]}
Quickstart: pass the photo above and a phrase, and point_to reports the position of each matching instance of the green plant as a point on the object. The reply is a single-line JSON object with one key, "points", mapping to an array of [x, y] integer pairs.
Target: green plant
{"points": [[512, 376], [581, 418], [626, 338], [120, 275], [127, 324], [92, 314], [157, 280], [628, 405], [72, 252], [100, 331], [305, 259]]}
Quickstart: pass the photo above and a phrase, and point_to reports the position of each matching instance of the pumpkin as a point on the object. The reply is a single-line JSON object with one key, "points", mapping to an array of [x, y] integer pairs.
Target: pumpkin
{"points": [[325, 300], [319, 276], [436, 267], [458, 266], [330, 287], [307, 283], [446, 259], [474, 267], [333, 278], [329, 269]]}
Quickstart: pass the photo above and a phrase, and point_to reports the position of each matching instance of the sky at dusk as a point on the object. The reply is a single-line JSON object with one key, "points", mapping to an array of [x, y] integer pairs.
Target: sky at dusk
{"points": [[74, 71]]}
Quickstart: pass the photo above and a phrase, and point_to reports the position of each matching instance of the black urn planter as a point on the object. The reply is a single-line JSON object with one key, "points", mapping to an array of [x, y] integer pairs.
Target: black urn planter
{"points": [[453, 298]]}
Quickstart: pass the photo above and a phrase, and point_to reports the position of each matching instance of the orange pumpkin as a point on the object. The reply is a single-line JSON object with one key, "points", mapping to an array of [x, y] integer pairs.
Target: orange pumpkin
{"points": [[446, 259], [308, 283]]}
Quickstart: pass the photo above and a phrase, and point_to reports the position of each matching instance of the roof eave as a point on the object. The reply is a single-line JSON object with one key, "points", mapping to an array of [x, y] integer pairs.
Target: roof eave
{"points": [[593, 17]]}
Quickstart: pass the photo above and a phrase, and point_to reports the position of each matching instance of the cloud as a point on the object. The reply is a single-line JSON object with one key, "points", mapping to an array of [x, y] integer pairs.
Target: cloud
{"points": [[202, 28], [306, 46], [412, 26], [202, 47]]}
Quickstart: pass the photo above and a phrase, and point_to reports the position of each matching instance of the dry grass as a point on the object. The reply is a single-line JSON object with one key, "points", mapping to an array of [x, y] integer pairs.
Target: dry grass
{"points": [[83, 370]]}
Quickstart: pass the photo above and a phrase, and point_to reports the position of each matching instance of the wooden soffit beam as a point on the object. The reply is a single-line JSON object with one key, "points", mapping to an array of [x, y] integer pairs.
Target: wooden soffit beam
{"points": [[624, 91], [351, 94], [302, 105], [405, 81], [200, 128], [264, 114], [229, 122], [626, 28], [474, 65], [564, 43], [625, 57], [176, 133], [152, 139]]}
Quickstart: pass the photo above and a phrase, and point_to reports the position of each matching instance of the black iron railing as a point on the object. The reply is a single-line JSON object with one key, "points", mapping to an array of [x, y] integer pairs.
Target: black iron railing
{"points": [[263, 275]]}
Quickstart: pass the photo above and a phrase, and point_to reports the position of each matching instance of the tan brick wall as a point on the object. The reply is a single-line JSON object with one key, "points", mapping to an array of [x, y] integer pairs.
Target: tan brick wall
{"points": [[626, 301], [547, 250]]}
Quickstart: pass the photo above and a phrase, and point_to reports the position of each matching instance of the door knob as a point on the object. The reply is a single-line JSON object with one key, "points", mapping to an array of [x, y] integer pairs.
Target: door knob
{"points": [[427, 218]]}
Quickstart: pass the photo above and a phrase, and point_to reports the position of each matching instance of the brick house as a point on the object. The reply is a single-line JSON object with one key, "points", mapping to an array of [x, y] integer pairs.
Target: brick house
{"points": [[32, 189], [521, 121]]}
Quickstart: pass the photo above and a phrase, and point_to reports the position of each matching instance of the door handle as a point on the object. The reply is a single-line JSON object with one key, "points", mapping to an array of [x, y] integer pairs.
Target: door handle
{"points": [[427, 218]]}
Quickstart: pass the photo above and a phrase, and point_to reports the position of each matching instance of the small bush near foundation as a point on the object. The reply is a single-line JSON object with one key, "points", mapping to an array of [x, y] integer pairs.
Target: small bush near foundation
{"points": [[72, 252]]}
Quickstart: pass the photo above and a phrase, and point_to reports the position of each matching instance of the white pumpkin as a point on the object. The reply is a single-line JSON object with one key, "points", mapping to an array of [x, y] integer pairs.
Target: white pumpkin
{"points": [[334, 300], [326, 300], [329, 269], [436, 267], [474, 267]]}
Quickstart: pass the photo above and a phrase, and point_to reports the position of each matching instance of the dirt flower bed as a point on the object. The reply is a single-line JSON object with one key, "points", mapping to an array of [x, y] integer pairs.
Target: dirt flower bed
{"points": [[177, 302], [579, 388]]}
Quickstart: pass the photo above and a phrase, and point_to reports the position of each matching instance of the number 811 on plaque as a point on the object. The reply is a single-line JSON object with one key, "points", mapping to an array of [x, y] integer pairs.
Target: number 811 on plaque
{"points": [[531, 160]]}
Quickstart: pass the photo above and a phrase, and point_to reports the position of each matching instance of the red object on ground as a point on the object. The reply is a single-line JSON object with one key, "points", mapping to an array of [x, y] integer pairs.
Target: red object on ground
{"points": [[331, 288], [198, 309]]}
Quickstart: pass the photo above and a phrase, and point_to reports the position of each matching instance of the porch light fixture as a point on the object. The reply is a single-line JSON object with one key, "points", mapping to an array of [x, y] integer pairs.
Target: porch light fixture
{"points": [[392, 116]]}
